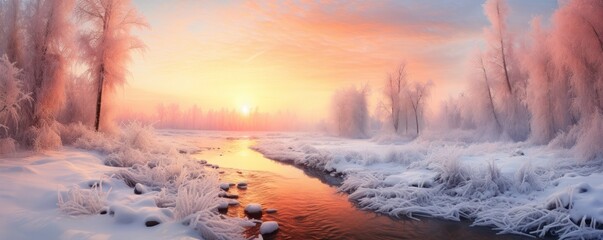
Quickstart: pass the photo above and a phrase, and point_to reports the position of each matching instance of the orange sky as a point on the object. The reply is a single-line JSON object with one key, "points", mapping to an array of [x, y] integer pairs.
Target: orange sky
{"points": [[291, 55]]}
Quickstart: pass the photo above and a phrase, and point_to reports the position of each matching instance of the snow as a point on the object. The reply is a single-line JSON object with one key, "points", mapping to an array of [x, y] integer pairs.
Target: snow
{"points": [[73, 193], [31, 199], [516, 188], [268, 227]]}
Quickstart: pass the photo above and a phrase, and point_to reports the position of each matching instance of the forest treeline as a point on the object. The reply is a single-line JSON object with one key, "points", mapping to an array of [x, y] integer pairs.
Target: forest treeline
{"points": [[545, 86], [174, 116]]}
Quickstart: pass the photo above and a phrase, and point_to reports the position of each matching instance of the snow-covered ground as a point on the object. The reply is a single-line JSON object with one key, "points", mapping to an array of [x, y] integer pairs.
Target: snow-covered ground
{"points": [[514, 187], [152, 191], [155, 190]]}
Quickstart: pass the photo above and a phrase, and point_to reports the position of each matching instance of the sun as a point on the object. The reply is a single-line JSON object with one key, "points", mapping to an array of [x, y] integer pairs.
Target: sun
{"points": [[245, 110]]}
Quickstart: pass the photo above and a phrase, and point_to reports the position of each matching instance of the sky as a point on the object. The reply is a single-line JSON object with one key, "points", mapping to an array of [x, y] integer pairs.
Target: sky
{"points": [[292, 55]]}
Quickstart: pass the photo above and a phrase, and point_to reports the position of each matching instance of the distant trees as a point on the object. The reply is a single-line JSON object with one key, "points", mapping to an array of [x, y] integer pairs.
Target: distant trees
{"points": [[349, 112], [403, 99], [416, 96], [107, 43], [551, 92], [395, 87], [175, 116]]}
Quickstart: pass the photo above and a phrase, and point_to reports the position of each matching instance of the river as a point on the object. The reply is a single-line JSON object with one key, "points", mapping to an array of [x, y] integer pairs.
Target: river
{"points": [[308, 203]]}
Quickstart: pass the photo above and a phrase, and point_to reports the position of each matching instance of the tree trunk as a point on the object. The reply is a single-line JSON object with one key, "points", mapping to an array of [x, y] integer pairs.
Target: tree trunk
{"points": [[502, 51], [99, 98], [416, 119], [490, 95]]}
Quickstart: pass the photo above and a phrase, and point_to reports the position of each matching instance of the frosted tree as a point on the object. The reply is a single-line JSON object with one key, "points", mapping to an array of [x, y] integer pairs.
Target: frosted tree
{"points": [[540, 69], [50, 33], [50, 52], [577, 47], [12, 95], [350, 112], [395, 85], [416, 96], [507, 81], [107, 43]]}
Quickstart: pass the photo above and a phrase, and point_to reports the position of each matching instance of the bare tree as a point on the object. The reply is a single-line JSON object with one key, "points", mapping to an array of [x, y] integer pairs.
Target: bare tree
{"points": [[416, 97], [394, 87], [481, 61], [108, 43]]}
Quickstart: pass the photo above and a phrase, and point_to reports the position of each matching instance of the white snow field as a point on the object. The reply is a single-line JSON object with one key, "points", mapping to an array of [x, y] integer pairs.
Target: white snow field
{"points": [[513, 187], [157, 192]]}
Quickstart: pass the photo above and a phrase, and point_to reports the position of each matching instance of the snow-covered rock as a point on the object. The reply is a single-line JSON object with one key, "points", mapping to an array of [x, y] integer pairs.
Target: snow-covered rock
{"points": [[140, 189], [268, 227], [253, 208]]}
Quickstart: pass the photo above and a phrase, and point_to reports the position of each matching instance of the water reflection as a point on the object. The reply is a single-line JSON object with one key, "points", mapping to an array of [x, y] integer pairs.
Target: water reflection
{"points": [[310, 209]]}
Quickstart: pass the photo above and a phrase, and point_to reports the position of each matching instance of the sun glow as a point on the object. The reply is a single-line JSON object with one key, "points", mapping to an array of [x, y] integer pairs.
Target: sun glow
{"points": [[245, 110]]}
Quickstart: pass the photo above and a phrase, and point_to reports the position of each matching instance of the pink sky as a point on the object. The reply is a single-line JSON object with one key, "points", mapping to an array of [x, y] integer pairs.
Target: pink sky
{"points": [[291, 55]]}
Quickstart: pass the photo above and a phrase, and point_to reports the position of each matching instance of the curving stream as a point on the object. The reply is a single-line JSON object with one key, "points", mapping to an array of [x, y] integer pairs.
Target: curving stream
{"points": [[308, 203]]}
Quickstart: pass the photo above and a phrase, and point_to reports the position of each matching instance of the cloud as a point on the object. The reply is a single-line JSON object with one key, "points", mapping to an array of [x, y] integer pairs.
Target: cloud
{"points": [[290, 49]]}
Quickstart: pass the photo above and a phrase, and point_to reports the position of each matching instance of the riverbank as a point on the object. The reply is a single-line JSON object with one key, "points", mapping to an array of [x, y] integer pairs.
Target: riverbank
{"points": [[128, 186], [513, 187]]}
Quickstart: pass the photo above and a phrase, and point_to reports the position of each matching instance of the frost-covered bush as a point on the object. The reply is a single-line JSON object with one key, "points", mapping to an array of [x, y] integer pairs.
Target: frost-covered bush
{"points": [[527, 180], [12, 95], [588, 144], [72, 132], [350, 112], [198, 195], [362, 180], [78, 201], [211, 225], [45, 137], [139, 136], [451, 172], [7, 145]]}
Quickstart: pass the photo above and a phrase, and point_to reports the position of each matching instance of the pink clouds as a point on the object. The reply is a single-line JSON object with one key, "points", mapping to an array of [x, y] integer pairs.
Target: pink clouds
{"points": [[304, 47]]}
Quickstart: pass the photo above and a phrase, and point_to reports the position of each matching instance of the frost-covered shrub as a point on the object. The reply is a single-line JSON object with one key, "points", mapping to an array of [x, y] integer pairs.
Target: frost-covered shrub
{"points": [[211, 225], [451, 172], [139, 136], [360, 180], [45, 137], [485, 183], [527, 180], [588, 144], [7, 145], [126, 157], [350, 112], [79, 201], [74, 131], [198, 195], [12, 94]]}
